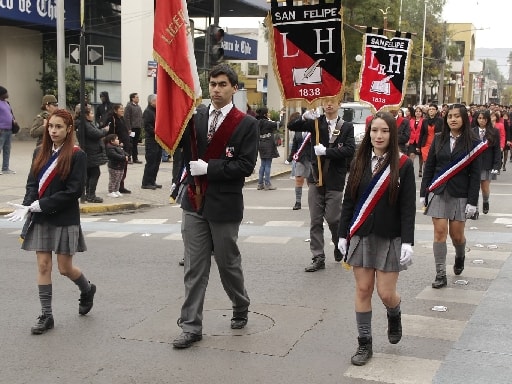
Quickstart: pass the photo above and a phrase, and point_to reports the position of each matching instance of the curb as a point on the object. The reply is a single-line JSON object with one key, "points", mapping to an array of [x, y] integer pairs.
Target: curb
{"points": [[91, 208]]}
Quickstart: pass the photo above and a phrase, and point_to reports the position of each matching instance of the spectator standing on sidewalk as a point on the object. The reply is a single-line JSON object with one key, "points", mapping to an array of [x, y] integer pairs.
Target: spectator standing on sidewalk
{"points": [[94, 147], [48, 106], [134, 124], [50, 208], [332, 146], [117, 159], [104, 110], [153, 149], [117, 125], [6, 122], [267, 148]]}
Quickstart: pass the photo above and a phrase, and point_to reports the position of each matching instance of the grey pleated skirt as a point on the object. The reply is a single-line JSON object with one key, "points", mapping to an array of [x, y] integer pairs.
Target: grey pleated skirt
{"points": [[303, 168], [445, 206], [44, 237], [485, 174], [375, 252]]}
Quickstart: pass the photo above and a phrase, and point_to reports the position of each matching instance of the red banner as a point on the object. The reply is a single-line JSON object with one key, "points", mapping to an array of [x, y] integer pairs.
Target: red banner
{"points": [[307, 50], [177, 80], [384, 71]]}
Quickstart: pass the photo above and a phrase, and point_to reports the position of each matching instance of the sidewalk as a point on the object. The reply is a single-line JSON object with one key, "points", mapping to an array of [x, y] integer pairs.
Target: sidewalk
{"points": [[12, 187]]}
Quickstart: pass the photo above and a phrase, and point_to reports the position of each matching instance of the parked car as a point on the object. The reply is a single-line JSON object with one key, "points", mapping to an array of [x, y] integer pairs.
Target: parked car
{"points": [[356, 113]]}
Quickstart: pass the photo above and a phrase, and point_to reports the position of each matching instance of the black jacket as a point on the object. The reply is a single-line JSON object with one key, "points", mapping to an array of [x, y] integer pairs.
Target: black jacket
{"points": [[466, 183], [404, 134], [116, 156], [338, 153], [149, 116], [438, 127], [267, 147], [223, 200], [491, 157], [386, 220], [59, 203], [297, 141], [94, 146], [117, 125]]}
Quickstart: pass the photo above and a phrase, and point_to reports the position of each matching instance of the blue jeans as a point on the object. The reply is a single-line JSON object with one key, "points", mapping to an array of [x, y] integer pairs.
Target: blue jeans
{"points": [[5, 147], [265, 171]]}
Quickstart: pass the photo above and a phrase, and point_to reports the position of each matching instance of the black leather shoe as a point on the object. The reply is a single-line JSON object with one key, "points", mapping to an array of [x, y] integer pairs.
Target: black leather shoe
{"points": [[297, 206], [364, 352], [94, 199], [337, 255], [440, 281], [86, 301], [182, 262], [238, 322], [485, 208], [185, 340], [44, 323], [147, 187], [125, 191], [157, 185], [137, 162], [317, 264], [458, 267], [394, 328]]}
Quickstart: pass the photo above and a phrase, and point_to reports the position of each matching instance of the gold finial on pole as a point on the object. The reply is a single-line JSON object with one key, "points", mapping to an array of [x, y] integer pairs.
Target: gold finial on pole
{"points": [[385, 14]]}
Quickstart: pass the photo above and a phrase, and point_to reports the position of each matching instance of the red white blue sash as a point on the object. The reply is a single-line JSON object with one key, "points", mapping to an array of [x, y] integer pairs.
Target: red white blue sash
{"points": [[457, 165], [49, 171], [301, 148], [371, 196]]}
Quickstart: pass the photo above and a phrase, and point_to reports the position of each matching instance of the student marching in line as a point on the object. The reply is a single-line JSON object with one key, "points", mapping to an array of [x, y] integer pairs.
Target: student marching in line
{"points": [[51, 210], [450, 187], [377, 227]]}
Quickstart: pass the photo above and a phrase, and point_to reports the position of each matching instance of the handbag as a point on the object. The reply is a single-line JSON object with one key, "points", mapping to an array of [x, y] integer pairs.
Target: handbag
{"points": [[15, 127]]}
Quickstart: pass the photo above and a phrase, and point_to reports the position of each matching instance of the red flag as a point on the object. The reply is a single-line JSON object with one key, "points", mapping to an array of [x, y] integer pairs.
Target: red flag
{"points": [[177, 79]]}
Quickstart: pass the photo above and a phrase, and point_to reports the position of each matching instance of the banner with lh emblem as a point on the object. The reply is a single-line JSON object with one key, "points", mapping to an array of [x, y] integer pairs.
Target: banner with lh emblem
{"points": [[384, 71], [307, 49]]}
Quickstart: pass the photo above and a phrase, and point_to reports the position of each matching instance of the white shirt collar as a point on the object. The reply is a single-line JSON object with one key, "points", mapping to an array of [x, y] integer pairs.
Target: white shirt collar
{"points": [[224, 110]]}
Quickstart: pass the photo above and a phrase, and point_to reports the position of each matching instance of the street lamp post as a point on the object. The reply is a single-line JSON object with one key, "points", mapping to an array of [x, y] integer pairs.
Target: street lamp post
{"points": [[423, 52]]}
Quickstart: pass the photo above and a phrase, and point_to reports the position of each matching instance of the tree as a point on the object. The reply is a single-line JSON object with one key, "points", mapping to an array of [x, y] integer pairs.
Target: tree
{"points": [[48, 80]]}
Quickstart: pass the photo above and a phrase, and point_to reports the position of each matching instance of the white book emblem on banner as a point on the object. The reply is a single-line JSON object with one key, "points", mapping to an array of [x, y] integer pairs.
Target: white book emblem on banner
{"points": [[300, 76], [381, 86]]}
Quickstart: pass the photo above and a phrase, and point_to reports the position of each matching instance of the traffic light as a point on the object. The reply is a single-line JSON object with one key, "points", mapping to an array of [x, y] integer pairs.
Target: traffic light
{"points": [[216, 48]]}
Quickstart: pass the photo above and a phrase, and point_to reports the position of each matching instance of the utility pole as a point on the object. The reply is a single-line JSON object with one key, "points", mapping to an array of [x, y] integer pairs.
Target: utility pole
{"points": [[61, 56], [83, 59], [440, 93]]}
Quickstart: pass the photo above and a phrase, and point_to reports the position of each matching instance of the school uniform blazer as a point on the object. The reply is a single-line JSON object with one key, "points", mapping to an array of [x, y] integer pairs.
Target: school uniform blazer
{"points": [[491, 157], [466, 183], [59, 203], [386, 220], [339, 152], [223, 200], [438, 127]]}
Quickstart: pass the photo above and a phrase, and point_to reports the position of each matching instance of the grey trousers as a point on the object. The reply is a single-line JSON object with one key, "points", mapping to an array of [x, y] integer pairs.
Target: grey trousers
{"points": [[323, 204], [200, 236]]}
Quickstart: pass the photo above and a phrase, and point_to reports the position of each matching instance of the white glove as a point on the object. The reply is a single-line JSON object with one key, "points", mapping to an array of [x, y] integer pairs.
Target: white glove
{"points": [[19, 214], [406, 255], [495, 171], [320, 150], [198, 167], [34, 207], [470, 210], [286, 162], [342, 246], [422, 201], [310, 115]]}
